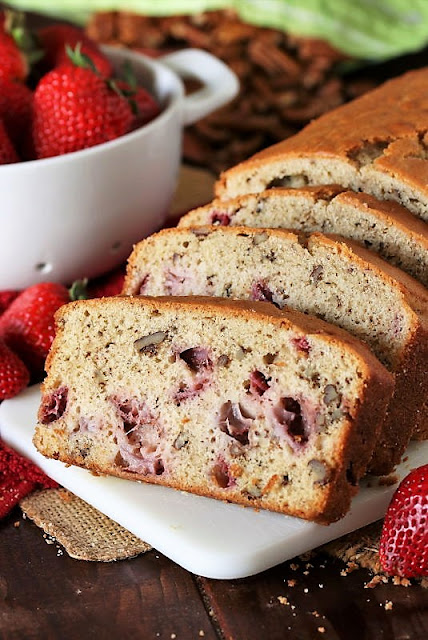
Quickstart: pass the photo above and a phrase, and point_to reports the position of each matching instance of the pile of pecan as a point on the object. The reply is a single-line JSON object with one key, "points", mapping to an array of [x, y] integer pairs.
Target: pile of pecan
{"points": [[286, 80]]}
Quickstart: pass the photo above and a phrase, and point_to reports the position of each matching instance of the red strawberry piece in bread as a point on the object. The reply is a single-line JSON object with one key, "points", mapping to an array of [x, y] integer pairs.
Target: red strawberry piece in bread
{"points": [[403, 547], [27, 326], [7, 296], [14, 375], [54, 38], [8, 154], [96, 111], [16, 103]]}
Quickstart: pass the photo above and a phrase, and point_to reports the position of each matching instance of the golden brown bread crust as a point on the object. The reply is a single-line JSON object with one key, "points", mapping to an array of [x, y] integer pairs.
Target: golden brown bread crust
{"points": [[336, 505], [358, 438], [387, 125], [397, 110]]}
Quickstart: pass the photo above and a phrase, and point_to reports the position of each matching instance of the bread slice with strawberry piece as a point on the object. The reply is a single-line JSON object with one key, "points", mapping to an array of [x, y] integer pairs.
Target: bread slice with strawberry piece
{"points": [[321, 275], [382, 226], [234, 400]]}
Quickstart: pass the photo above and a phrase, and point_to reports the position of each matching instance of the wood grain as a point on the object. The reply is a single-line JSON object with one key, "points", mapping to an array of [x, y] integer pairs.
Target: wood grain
{"points": [[48, 596], [45, 594]]}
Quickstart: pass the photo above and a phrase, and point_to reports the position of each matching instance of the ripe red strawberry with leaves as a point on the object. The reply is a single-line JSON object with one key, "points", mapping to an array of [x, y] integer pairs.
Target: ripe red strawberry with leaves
{"points": [[18, 47], [14, 375], [27, 326], [96, 110], [7, 150], [13, 63], [54, 40], [403, 547], [143, 105]]}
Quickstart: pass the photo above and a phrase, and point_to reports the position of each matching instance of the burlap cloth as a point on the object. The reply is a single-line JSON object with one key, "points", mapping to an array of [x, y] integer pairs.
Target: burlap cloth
{"points": [[83, 531]]}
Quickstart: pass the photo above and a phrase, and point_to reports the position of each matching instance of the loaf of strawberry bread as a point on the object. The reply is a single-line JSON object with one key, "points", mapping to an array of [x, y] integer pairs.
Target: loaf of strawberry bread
{"points": [[382, 226], [376, 144], [323, 276], [235, 400]]}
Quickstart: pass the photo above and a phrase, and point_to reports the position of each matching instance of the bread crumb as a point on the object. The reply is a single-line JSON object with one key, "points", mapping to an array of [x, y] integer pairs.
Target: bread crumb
{"points": [[291, 583], [294, 566], [65, 495], [350, 566], [201, 633], [321, 629], [401, 582], [17, 524], [388, 605], [283, 600], [375, 581], [173, 636], [315, 614], [387, 481]]}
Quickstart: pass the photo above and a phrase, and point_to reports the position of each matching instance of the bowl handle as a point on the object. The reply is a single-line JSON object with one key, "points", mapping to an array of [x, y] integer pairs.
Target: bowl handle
{"points": [[220, 82]]}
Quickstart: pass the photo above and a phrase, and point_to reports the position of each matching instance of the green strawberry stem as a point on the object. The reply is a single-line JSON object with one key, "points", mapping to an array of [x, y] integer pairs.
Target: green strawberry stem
{"points": [[79, 290], [129, 76], [80, 59]]}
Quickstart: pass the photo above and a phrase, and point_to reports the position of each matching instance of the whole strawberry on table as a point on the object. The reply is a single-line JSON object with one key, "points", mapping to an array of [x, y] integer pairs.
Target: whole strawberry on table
{"points": [[55, 71], [403, 547]]}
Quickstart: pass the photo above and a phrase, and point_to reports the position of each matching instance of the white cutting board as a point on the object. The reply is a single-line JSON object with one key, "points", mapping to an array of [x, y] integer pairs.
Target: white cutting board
{"points": [[205, 536]]}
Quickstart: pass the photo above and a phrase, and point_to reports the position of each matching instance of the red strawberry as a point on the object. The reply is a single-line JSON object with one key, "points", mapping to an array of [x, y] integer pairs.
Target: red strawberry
{"points": [[16, 102], [27, 326], [7, 296], [110, 284], [95, 112], [7, 151], [54, 38], [404, 541], [13, 64], [143, 105], [18, 477], [14, 374]]}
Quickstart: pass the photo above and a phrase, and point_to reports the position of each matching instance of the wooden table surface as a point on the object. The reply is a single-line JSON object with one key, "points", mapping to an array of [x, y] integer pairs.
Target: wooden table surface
{"points": [[45, 594]]}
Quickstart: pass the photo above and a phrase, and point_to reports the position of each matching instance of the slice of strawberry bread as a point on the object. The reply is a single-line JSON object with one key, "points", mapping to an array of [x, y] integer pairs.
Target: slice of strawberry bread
{"points": [[382, 226], [317, 274], [235, 400], [376, 144]]}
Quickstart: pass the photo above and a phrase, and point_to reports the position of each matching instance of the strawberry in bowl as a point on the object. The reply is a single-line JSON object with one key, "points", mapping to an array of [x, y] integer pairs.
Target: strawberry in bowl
{"points": [[102, 158]]}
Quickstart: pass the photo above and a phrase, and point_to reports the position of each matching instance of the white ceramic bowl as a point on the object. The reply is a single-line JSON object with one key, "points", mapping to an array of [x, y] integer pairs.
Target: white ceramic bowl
{"points": [[79, 214]]}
